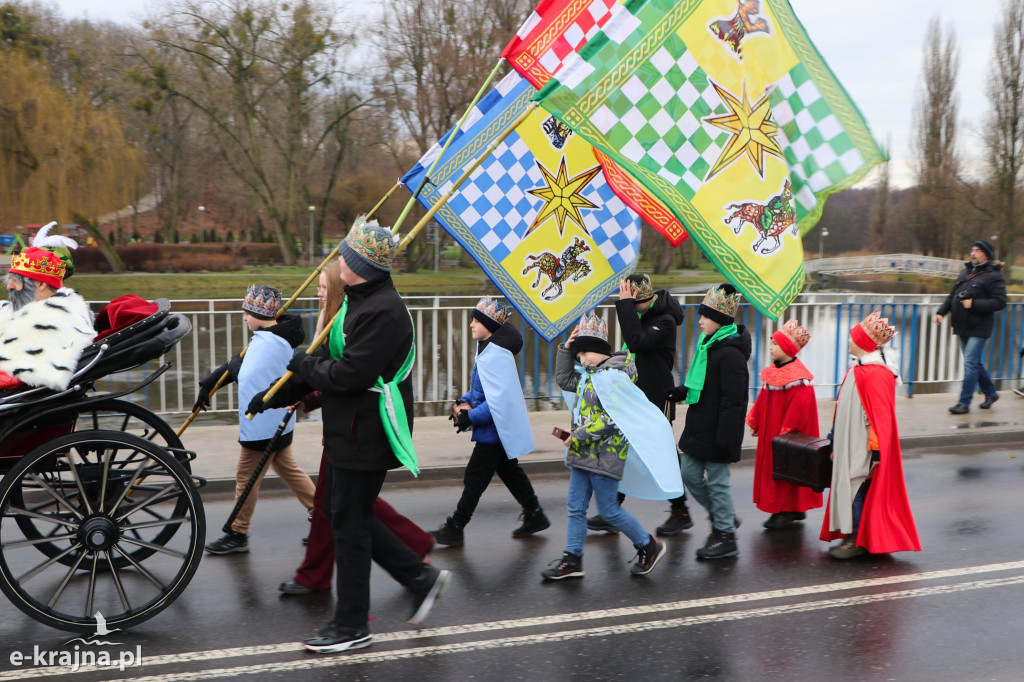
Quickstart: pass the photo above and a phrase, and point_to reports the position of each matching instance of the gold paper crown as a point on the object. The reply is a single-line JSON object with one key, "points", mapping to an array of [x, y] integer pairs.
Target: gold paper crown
{"points": [[878, 328], [718, 300], [592, 325], [642, 290], [496, 310], [795, 333], [38, 261], [373, 242]]}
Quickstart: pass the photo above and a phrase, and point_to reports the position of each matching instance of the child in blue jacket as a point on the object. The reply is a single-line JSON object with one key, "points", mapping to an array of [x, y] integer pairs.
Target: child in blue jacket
{"points": [[495, 409], [266, 358]]}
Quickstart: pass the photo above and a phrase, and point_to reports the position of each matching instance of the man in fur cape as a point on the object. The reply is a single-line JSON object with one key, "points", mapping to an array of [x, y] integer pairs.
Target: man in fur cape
{"points": [[45, 326]]}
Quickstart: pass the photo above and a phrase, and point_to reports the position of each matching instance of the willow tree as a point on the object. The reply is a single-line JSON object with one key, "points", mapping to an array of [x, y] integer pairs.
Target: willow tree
{"points": [[59, 155], [267, 79]]}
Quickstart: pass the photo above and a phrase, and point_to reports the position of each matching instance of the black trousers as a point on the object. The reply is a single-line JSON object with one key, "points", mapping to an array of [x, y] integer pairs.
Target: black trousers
{"points": [[486, 460], [359, 539]]}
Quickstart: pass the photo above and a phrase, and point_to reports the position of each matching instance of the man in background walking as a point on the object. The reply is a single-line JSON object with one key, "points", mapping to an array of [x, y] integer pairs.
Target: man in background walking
{"points": [[979, 293]]}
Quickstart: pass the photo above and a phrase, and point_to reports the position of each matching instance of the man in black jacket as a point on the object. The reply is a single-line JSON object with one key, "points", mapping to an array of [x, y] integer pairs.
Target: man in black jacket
{"points": [[715, 391], [371, 339], [648, 320], [978, 294]]}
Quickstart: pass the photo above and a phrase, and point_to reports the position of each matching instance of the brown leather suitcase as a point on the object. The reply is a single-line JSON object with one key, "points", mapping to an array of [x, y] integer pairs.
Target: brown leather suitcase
{"points": [[802, 460]]}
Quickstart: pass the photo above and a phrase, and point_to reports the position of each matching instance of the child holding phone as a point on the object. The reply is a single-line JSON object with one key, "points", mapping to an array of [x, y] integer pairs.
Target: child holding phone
{"points": [[598, 448]]}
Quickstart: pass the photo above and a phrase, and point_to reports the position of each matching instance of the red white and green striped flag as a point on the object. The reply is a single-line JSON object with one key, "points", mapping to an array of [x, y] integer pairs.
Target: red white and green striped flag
{"points": [[724, 111], [556, 30]]}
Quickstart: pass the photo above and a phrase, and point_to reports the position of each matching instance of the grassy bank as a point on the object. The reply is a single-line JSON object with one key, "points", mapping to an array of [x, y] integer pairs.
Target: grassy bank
{"points": [[470, 281]]}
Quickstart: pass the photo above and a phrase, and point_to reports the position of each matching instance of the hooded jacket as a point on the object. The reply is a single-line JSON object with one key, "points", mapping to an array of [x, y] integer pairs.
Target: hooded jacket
{"points": [[378, 337], [265, 360], [651, 338], [484, 430], [714, 424], [984, 284], [598, 444]]}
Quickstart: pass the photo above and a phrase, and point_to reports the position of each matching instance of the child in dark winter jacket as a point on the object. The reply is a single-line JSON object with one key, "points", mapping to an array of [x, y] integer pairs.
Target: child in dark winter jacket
{"points": [[265, 360], [597, 449], [495, 409], [715, 391]]}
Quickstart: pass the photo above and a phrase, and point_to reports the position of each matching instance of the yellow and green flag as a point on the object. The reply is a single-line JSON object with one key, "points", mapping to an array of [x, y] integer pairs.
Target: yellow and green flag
{"points": [[726, 112]]}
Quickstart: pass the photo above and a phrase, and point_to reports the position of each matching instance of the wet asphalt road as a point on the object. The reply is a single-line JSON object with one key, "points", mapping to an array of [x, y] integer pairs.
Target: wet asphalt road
{"points": [[783, 610]]}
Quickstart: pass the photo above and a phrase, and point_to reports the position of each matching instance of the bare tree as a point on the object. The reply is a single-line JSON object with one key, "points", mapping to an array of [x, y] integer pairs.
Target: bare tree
{"points": [[1004, 134], [436, 54], [268, 80], [934, 150]]}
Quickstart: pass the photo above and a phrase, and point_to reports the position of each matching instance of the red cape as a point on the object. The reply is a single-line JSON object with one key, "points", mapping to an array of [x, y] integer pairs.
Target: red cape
{"points": [[793, 410], [887, 524]]}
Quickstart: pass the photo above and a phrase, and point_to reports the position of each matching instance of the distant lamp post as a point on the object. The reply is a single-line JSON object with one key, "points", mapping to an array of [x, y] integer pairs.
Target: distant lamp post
{"points": [[311, 211], [202, 230], [821, 241], [995, 244]]}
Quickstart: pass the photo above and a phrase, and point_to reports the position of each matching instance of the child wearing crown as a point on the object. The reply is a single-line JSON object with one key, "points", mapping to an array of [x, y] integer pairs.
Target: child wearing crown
{"points": [[867, 504], [786, 404], [495, 409], [715, 392], [618, 437], [265, 359]]}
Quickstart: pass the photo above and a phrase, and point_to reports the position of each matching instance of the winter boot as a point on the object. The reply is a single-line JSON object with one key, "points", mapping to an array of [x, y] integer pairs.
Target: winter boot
{"points": [[534, 521], [450, 533], [678, 521], [569, 566], [597, 523], [719, 546], [648, 556]]}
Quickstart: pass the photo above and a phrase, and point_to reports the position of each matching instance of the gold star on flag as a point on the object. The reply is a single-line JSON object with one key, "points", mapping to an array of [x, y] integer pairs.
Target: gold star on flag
{"points": [[753, 131], [563, 197]]}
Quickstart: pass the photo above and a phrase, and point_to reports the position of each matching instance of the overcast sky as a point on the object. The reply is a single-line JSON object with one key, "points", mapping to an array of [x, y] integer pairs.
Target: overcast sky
{"points": [[874, 47]]}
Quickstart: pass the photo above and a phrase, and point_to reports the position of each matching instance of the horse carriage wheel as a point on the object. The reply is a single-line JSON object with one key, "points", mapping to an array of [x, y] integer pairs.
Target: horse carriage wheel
{"points": [[109, 495], [117, 415]]}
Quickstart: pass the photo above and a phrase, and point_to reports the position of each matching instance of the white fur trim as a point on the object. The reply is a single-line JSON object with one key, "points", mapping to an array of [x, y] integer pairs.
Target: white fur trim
{"points": [[42, 342]]}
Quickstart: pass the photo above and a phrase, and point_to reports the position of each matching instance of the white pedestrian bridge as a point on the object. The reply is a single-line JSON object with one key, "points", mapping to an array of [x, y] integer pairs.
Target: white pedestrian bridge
{"points": [[929, 355], [890, 263]]}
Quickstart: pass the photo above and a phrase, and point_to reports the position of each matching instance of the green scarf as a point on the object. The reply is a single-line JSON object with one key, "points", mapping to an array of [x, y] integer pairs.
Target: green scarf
{"points": [[392, 407], [699, 367]]}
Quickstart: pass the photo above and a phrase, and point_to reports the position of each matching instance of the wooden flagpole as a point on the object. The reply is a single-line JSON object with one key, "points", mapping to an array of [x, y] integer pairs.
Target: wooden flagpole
{"points": [[412, 234], [298, 292]]}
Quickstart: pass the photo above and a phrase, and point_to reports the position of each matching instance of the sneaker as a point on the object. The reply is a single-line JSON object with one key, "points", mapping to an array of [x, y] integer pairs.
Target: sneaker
{"points": [[533, 522], [569, 566], [431, 585], [648, 556], [718, 546], [450, 533], [231, 543], [678, 521], [988, 401], [847, 549], [783, 519], [959, 409], [595, 522], [333, 639]]}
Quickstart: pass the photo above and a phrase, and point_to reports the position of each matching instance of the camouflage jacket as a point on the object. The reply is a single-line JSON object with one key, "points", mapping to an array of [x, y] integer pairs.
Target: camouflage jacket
{"points": [[598, 445]]}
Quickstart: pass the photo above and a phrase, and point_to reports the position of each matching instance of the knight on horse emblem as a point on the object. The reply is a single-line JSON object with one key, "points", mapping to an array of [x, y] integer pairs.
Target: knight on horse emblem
{"points": [[570, 266], [770, 219]]}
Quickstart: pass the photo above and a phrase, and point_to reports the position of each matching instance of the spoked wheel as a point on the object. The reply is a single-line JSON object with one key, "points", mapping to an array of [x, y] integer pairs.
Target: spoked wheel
{"points": [[114, 415], [128, 417], [108, 497]]}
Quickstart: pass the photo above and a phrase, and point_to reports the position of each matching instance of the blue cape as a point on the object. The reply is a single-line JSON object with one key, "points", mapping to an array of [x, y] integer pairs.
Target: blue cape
{"points": [[652, 465], [496, 368]]}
